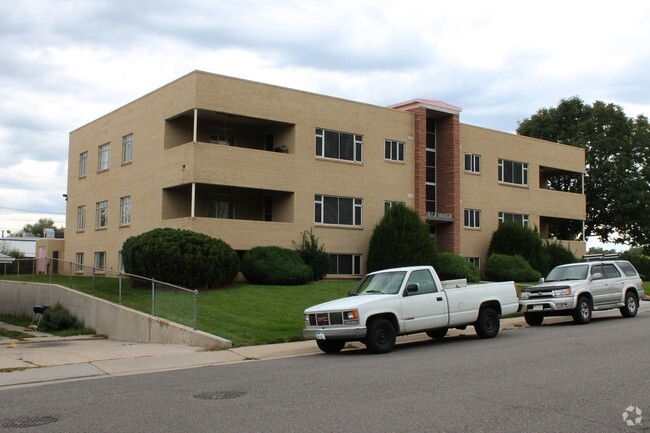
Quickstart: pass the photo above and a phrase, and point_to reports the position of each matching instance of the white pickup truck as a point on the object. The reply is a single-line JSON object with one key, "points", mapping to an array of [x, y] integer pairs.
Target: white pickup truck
{"points": [[407, 300]]}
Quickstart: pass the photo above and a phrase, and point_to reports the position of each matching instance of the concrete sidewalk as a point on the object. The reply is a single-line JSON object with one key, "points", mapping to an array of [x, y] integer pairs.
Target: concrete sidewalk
{"points": [[46, 358]]}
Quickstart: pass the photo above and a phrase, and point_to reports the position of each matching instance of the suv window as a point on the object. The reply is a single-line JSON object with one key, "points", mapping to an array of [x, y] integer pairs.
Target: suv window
{"points": [[597, 269], [424, 280], [627, 268], [611, 271]]}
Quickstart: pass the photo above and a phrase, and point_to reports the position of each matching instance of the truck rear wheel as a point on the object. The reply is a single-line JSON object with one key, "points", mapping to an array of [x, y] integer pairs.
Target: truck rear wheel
{"points": [[487, 325], [381, 336], [331, 346], [582, 312], [534, 319], [631, 305]]}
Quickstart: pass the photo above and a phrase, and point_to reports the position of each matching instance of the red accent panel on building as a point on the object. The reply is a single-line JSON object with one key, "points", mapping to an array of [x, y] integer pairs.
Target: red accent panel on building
{"points": [[448, 181]]}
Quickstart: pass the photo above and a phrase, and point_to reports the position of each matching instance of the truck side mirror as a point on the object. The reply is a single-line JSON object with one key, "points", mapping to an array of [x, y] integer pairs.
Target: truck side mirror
{"points": [[411, 288]]}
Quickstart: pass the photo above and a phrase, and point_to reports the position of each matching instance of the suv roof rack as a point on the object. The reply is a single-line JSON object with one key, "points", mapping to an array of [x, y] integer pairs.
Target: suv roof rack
{"points": [[604, 256]]}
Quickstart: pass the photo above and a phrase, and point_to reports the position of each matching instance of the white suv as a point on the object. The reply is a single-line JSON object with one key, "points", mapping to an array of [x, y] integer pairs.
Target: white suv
{"points": [[577, 289]]}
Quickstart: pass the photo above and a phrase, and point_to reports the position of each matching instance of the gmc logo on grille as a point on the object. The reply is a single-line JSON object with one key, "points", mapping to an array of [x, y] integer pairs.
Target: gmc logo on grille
{"points": [[322, 319]]}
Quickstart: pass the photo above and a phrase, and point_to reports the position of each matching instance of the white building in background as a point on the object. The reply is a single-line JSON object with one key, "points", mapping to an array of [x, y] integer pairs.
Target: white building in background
{"points": [[27, 246]]}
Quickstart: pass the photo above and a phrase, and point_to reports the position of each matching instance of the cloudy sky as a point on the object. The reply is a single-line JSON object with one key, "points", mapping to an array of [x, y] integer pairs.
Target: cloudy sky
{"points": [[64, 63]]}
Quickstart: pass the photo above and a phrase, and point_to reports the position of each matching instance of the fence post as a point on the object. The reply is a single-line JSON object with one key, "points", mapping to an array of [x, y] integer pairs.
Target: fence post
{"points": [[93, 292], [34, 269], [153, 297], [120, 295], [71, 275], [51, 268], [196, 305], [18, 261]]}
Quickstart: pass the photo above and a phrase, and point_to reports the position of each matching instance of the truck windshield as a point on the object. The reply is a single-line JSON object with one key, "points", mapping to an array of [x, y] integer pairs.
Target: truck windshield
{"points": [[564, 273], [386, 283]]}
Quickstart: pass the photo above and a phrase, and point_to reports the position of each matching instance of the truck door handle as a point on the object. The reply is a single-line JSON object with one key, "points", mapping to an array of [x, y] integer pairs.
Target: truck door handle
{"points": [[439, 299]]}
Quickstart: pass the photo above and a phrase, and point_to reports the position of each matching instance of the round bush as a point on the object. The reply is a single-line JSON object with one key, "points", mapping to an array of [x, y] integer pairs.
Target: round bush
{"points": [[400, 238], [501, 267], [181, 257], [452, 266], [275, 265], [512, 238], [558, 255]]}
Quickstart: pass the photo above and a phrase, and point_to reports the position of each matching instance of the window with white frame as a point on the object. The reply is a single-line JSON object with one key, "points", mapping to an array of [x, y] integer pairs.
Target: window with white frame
{"points": [[394, 150], [101, 214], [83, 164], [100, 260], [125, 210], [472, 163], [516, 217], [339, 145], [476, 261], [81, 217], [103, 157], [472, 218], [513, 172], [338, 210], [345, 264], [127, 148], [390, 204], [79, 258]]}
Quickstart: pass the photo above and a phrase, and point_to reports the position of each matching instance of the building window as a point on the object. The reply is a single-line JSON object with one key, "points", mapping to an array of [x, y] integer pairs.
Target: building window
{"points": [[431, 167], [339, 145], [103, 157], [79, 257], [394, 150], [125, 210], [476, 261], [101, 214], [221, 209], [472, 218], [345, 264], [472, 163], [83, 164], [513, 172], [338, 210], [100, 260], [518, 218], [127, 148], [390, 204], [81, 217], [222, 135]]}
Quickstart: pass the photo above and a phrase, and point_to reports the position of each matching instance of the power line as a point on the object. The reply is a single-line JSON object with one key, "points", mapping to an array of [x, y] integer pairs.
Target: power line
{"points": [[31, 211]]}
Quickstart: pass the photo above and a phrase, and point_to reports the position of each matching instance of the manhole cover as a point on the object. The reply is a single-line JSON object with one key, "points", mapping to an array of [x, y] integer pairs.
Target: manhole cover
{"points": [[219, 395], [28, 421]]}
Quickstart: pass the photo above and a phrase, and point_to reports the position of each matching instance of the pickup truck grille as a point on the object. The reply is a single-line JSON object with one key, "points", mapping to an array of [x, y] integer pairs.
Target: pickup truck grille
{"points": [[326, 319]]}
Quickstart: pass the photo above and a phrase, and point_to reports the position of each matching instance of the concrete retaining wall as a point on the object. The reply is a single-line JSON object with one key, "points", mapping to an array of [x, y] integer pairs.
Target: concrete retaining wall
{"points": [[115, 321]]}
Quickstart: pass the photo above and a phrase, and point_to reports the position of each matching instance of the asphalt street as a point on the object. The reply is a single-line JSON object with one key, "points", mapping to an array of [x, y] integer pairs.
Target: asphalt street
{"points": [[559, 377]]}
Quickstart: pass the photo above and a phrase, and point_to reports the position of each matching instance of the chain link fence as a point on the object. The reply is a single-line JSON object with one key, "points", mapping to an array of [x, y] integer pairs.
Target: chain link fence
{"points": [[168, 301]]}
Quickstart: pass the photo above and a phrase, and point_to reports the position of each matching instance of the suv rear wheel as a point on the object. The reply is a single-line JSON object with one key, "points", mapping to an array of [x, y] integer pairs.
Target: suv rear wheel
{"points": [[631, 305]]}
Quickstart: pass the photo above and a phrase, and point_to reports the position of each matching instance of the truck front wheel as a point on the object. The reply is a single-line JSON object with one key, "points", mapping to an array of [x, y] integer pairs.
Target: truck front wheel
{"points": [[534, 319], [487, 325], [582, 312], [330, 346], [380, 337]]}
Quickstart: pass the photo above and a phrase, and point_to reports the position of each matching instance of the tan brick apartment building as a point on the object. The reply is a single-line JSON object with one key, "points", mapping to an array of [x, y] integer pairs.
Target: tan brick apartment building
{"points": [[255, 164]]}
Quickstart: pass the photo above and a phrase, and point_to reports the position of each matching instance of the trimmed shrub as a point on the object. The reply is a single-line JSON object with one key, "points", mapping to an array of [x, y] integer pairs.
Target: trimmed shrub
{"points": [[452, 266], [275, 265], [313, 255], [58, 318], [400, 238], [501, 267], [181, 257], [513, 239], [558, 255]]}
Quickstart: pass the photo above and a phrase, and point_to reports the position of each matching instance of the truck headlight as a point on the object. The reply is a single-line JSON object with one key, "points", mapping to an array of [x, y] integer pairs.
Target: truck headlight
{"points": [[306, 320], [351, 317], [525, 295], [562, 292]]}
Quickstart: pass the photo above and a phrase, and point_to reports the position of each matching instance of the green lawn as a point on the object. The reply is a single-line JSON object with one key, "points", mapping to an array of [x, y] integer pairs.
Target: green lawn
{"points": [[245, 314]]}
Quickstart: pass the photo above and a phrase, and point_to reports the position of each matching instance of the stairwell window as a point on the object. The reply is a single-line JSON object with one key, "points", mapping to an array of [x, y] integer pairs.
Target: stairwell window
{"points": [[339, 145], [338, 210], [513, 172]]}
